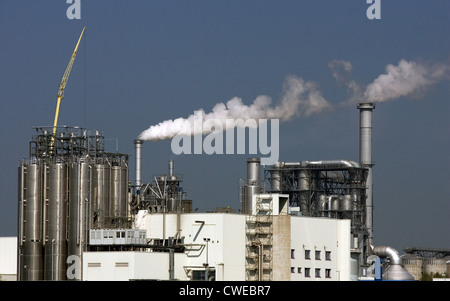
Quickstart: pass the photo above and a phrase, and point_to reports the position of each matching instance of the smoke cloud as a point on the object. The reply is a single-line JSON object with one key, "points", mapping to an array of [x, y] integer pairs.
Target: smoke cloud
{"points": [[406, 79], [303, 98], [299, 98]]}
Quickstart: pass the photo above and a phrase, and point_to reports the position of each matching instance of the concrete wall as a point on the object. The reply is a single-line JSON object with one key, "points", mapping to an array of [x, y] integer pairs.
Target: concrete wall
{"points": [[282, 248], [225, 250], [125, 266], [330, 238]]}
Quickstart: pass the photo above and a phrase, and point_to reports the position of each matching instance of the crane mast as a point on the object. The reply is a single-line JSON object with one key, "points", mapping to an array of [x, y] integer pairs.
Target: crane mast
{"points": [[62, 86]]}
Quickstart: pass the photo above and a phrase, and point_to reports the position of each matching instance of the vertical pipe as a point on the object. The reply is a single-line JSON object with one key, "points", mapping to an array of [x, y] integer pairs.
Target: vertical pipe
{"points": [[171, 168], [138, 150], [365, 157]]}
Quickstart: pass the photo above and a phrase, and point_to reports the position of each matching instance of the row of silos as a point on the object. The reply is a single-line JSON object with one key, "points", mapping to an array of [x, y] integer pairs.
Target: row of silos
{"points": [[60, 199], [417, 266]]}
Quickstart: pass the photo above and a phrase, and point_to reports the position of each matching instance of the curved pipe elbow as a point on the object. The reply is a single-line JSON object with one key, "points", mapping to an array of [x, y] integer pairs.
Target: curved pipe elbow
{"points": [[388, 252]]}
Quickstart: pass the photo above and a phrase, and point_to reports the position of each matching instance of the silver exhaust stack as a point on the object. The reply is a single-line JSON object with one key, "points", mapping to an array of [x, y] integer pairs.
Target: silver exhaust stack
{"points": [[138, 149], [365, 158], [252, 185]]}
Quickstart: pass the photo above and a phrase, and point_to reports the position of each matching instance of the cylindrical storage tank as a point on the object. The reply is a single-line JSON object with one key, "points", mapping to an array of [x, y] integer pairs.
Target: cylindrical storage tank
{"points": [[33, 268], [79, 210], [435, 265], [119, 193], [56, 231], [100, 203], [275, 177], [413, 264], [335, 203], [304, 179], [304, 186], [322, 204], [252, 186], [347, 203]]}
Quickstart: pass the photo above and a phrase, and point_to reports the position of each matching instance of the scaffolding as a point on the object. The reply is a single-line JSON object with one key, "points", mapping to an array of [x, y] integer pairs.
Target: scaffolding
{"points": [[259, 241]]}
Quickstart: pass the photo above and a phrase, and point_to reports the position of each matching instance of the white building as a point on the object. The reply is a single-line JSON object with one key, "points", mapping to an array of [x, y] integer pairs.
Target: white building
{"points": [[8, 258], [268, 245]]}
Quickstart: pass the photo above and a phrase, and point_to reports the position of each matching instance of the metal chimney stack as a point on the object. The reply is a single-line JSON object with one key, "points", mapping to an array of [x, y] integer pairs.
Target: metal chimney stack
{"points": [[252, 185], [365, 158], [138, 148]]}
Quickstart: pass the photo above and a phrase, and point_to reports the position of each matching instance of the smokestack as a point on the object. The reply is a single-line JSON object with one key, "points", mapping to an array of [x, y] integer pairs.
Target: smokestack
{"points": [[171, 168], [253, 185], [365, 158], [138, 149]]}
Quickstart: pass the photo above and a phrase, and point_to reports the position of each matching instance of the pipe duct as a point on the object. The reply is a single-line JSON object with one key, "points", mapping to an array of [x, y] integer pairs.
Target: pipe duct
{"points": [[394, 271], [138, 149]]}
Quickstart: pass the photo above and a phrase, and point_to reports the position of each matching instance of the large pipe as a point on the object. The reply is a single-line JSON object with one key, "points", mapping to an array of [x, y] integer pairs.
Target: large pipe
{"points": [[394, 271], [138, 150], [320, 164], [365, 158], [387, 252]]}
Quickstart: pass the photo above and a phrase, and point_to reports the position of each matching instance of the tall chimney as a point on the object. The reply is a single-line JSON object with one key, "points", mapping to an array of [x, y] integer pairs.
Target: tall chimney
{"points": [[365, 158], [138, 149]]}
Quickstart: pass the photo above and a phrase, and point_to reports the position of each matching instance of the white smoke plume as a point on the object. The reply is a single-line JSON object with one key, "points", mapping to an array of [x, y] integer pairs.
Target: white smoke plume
{"points": [[342, 72], [299, 98], [406, 79]]}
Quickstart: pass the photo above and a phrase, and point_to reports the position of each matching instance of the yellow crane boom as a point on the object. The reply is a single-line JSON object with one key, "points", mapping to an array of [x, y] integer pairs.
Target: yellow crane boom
{"points": [[62, 86]]}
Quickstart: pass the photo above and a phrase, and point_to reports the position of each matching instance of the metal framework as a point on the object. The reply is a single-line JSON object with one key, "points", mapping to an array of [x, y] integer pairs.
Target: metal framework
{"points": [[333, 189], [428, 252], [259, 241]]}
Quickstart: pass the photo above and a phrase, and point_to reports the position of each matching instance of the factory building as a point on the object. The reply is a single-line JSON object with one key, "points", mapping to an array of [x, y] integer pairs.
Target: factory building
{"points": [[215, 246], [81, 218]]}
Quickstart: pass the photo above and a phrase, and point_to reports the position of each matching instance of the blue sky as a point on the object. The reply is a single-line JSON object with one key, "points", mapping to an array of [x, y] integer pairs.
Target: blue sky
{"points": [[143, 62]]}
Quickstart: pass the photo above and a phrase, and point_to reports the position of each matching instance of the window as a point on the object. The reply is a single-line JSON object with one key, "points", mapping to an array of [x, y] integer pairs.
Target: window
{"points": [[317, 273], [307, 272], [292, 270], [317, 255], [327, 273], [307, 254], [327, 255], [292, 253], [299, 270]]}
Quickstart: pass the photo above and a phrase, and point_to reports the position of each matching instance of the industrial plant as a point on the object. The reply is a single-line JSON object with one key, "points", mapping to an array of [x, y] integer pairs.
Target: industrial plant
{"points": [[82, 217]]}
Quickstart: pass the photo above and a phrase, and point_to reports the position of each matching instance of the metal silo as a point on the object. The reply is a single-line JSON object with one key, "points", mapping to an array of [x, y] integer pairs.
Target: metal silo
{"points": [[32, 265], [304, 181], [56, 226], [119, 193], [101, 191], [79, 207]]}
